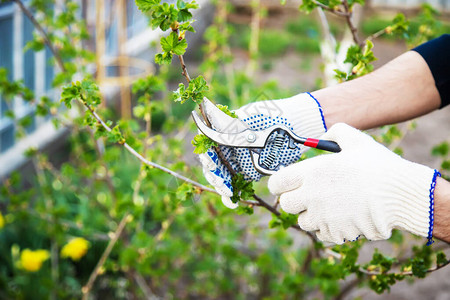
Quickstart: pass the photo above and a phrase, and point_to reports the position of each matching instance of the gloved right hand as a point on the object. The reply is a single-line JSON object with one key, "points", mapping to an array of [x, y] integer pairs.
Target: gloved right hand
{"points": [[302, 113], [363, 190]]}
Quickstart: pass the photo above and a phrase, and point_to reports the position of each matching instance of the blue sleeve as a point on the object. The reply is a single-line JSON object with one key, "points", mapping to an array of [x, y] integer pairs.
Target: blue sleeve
{"points": [[437, 55]]}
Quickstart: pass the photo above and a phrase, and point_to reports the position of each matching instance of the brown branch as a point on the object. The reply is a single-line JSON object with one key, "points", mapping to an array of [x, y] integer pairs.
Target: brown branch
{"points": [[337, 12], [277, 213], [44, 35], [348, 288], [148, 293], [376, 34], [202, 111], [183, 67], [348, 19], [406, 273], [87, 288]]}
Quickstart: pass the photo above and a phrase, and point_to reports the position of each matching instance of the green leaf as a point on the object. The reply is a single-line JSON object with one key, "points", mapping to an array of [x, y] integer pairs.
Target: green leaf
{"points": [[186, 26], [441, 150], [202, 143], [441, 259], [70, 93], [163, 16], [163, 58], [225, 109], [184, 15], [353, 2], [146, 5], [30, 152], [284, 220], [116, 135], [36, 44], [180, 47], [169, 42], [195, 91], [242, 189], [185, 192], [247, 210], [419, 268], [384, 262], [171, 45], [445, 165], [307, 6]]}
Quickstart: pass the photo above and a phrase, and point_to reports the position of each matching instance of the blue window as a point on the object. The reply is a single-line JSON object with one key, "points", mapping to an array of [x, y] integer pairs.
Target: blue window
{"points": [[28, 59], [28, 72], [6, 61], [49, 71]]}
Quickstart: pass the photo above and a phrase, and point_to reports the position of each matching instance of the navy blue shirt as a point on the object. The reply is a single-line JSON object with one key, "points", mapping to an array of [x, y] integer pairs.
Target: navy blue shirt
{"points": [[437, 55]]}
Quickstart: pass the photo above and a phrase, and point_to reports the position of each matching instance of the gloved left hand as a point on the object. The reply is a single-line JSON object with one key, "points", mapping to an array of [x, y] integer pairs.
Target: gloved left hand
{"points": [[301, 113]]}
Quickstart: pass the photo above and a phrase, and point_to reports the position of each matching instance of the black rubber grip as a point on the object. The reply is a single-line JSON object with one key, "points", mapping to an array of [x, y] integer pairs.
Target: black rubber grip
{"points": [[328, 146]]}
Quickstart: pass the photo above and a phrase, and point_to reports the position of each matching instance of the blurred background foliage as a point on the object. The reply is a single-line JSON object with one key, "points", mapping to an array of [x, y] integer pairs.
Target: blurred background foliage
{"points": [[91, 221]]}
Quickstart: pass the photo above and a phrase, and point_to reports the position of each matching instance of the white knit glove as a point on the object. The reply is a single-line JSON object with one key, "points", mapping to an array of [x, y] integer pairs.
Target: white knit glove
{"points": [[302, 113], [363, 190]]}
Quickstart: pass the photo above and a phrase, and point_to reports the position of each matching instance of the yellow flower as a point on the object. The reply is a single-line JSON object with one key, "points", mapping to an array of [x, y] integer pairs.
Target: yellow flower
{"points": [[32, 260], [75, 249], [2, 221]]}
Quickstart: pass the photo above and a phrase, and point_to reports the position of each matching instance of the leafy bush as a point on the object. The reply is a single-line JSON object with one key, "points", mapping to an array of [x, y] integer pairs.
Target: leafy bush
{"points": [[128, 215]]}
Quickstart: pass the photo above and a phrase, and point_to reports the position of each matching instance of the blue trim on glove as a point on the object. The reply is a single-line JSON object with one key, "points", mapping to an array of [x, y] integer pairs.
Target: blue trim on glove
{"points": [[431, 218], [321, 111]]}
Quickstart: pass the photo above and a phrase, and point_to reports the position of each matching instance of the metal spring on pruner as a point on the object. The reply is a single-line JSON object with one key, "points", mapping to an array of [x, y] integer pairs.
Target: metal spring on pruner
{"points": [[277, 145]]}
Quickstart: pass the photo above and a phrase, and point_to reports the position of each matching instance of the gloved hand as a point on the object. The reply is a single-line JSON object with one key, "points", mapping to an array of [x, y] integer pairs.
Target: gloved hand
{"points": [[302, 113], [363, 190]]}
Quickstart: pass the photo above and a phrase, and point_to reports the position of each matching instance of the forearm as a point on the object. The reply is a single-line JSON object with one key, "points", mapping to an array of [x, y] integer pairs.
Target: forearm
{"points": [[401, 90], [442, 210]]}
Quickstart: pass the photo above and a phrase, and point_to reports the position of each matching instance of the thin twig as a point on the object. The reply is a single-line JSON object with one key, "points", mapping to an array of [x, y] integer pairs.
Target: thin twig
{"points": [[277, 202], [277, 213], [406, 273], [348, 19], [332, 10], [183, 67], [44, 35], [376, 34], [348, 288], [87, 288], [148, 293]]}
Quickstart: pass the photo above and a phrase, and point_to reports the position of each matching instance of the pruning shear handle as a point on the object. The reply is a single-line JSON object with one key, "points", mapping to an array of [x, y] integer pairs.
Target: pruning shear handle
{"points": [[256, 141]]}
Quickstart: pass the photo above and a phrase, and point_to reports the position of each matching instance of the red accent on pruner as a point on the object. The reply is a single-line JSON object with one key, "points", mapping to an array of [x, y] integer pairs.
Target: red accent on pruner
{"points": [[311, 143]]}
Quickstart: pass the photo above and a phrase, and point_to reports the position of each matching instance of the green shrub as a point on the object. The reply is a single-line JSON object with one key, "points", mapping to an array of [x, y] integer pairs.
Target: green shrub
{"points": [[273, 42]]}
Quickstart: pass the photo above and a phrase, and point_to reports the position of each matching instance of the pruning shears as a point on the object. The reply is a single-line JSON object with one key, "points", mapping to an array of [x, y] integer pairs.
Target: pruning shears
{"points": [[240, 135]]}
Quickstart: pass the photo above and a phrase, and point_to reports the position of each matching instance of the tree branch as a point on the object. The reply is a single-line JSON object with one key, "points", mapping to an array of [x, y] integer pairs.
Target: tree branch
{"points": [[337, 12], [348, 19], [348, 288], [87, 288], [406, 273], [183, 67], [44, 35]]}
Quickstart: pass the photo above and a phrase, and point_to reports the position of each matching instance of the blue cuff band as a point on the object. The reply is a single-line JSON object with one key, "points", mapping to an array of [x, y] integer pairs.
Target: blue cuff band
{"points": [[431, 218], [321, 111]]}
